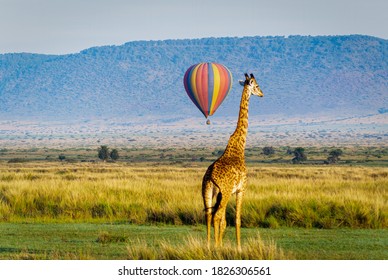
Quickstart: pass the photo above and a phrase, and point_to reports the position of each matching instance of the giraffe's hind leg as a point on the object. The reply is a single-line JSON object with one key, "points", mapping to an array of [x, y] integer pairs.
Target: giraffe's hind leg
{"points": [[207, 194], [217, 222], [208, 226], [219, 218], [222, 225]]}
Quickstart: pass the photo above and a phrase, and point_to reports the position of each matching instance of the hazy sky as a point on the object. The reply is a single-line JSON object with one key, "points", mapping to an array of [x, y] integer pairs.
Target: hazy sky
{"points": [[68, 26]]}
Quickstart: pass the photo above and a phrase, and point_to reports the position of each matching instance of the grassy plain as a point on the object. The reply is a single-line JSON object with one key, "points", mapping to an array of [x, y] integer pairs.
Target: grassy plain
{"points": [[78, 209], [124, 241], [303, 196]]}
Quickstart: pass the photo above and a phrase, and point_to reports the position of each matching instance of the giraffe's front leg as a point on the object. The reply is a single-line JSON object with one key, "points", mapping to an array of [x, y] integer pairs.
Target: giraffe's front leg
{"points": [[239, 197]]}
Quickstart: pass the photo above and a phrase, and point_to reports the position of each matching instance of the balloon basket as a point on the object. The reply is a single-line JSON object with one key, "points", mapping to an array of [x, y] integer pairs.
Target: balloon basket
{"points": [[208, 122]]}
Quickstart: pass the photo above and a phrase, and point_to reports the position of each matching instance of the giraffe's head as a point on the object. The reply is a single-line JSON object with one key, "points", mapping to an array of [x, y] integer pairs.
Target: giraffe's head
{"points": [[252, 86]]}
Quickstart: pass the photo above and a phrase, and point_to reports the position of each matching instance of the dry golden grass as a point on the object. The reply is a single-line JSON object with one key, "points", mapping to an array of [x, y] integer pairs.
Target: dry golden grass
{"points": [[194, 248], [303, 196]]}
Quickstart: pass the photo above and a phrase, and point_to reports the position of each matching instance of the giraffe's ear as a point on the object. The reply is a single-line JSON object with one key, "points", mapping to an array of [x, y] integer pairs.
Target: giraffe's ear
{"points": [[242, 83]]}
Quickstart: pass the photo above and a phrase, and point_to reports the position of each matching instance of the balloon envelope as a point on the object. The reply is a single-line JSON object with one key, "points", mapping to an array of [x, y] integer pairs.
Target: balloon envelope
{"points": [[207, 85]]}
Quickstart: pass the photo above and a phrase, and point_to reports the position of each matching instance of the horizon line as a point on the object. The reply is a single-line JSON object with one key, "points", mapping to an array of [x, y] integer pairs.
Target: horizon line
{"points": [[183, 39]]}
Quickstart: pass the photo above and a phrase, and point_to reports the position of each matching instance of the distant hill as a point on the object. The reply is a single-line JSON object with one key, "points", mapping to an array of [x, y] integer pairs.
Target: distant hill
{"points": [[338, 75]]}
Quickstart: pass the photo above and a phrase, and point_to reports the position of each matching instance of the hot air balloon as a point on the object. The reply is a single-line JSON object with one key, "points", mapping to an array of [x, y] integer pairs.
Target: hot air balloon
{"points": [[207, 85]]}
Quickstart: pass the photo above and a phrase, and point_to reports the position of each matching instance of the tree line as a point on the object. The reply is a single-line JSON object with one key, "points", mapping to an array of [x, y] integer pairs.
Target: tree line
{"points": [[104, 153], [301, 156]]}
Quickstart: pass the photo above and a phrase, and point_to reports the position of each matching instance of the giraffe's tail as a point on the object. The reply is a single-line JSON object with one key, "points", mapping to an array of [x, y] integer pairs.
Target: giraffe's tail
{"points": [[208, 193], [217, 204]]}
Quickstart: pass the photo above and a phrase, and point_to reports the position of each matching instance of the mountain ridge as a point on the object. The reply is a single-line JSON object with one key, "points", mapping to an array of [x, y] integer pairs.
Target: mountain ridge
{"points": [[314, 75]]}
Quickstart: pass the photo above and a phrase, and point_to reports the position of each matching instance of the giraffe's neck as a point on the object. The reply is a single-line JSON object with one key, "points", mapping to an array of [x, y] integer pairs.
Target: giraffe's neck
{"points": [[236, 144]]}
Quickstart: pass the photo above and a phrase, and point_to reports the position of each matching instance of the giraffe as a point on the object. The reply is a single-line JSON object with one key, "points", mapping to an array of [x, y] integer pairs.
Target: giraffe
{"points": [[228, 175]]}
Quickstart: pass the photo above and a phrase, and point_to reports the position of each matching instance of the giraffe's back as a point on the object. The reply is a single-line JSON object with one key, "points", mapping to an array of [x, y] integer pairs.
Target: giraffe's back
{"points": [[227, 173]]}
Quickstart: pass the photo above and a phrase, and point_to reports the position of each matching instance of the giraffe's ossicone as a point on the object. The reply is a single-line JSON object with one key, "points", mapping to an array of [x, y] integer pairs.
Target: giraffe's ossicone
{"points": [[228, 174]]}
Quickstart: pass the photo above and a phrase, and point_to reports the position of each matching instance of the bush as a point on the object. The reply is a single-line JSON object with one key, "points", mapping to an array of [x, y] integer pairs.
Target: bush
{"points": [[299, 155], [103, 152], [114, 154], [268, 151], [18, 160], [334, 156]]}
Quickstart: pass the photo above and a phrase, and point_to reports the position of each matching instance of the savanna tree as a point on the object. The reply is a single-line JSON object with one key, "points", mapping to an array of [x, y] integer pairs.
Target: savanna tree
{"points": [[114, 154], [268, 151], [334, 156], [103, 152], [299, 155]]}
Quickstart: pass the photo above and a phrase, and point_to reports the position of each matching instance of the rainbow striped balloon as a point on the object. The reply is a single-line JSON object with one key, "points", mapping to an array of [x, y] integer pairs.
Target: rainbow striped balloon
{"points": [[207, 85]]}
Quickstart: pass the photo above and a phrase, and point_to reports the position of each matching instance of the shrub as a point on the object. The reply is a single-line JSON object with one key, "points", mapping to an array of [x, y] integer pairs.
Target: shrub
{"points": [[334, 156], [103, 152], [268, 151], [18, 160], [299, 155], [114, 154]]}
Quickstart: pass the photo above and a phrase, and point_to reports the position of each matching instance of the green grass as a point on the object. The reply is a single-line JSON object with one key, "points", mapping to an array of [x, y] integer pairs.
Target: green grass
{"points": [[62, 210], [123, 241]]}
